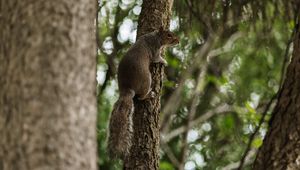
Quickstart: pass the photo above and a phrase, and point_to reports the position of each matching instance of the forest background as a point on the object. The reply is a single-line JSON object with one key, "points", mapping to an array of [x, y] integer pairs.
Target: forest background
{"points": [[224, 93]]}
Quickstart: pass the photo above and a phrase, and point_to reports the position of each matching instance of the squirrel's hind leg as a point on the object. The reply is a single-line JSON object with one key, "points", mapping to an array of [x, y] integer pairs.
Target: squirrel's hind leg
{"points": [[127, 93], [148, 95]]}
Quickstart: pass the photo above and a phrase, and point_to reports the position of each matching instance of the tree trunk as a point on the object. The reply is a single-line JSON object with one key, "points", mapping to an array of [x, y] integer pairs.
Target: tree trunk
{"points": [[145, 149], [281, 146], [47, 82]]}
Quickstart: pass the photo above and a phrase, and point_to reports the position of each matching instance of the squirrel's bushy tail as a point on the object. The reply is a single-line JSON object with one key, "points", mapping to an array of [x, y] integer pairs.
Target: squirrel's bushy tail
{"points": [[120, 128]]}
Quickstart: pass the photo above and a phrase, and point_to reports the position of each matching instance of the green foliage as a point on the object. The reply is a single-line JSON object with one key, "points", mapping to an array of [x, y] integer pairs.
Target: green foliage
{"points": [[166, 166], [244, 76]]}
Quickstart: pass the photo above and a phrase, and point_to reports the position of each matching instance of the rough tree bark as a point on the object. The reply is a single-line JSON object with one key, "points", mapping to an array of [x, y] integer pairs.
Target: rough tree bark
{"points": [[281, 146], [47, 82], [144, 153]]}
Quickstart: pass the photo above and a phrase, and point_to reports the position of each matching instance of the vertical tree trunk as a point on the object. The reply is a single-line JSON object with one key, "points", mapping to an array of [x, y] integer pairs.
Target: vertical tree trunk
{"points": [[281, 146], [47, 85], [145, 149]]}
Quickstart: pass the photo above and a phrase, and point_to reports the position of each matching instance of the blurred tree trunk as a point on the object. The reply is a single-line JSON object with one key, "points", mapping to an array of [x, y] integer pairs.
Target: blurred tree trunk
{"points": [[281, 146], [47, 82], [145, 150]]}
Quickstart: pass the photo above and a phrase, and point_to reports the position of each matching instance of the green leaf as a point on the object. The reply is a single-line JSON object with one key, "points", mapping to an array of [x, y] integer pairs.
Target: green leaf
{"points": [[250, 108], [257, 142], [166, 166]]}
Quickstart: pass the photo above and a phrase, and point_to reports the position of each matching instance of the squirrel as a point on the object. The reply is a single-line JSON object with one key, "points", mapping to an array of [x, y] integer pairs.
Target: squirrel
{"points": [[134, 79]]}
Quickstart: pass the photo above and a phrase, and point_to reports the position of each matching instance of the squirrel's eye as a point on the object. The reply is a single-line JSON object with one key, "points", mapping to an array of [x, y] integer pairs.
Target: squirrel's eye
{"points": [[169, 35]]}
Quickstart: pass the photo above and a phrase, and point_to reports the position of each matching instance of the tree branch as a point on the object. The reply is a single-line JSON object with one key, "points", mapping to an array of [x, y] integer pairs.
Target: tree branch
{"points": [[218, 110], [251, 138], [171, 155], [191, 114], [235, 165], [204, 55], [174, 100]]}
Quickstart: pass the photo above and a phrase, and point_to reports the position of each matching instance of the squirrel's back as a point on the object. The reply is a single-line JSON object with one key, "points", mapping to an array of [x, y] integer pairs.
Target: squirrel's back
{"points": [[134, 78], [133, 70]]}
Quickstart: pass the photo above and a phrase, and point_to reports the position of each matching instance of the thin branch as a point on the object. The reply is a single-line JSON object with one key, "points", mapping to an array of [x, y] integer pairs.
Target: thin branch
{"points": [[170, 155], [235, 165], [174, 101], [191, 114], [197, 93], [218, 110], [286, 58], [227, 47], [203, 55], [98, 40], [252, 136], [199, 17], [111, 71]]}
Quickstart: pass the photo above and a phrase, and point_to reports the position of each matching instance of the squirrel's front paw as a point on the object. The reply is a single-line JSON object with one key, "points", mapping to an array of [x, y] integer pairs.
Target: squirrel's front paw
{"points": [[164, 62], [160, 60]]}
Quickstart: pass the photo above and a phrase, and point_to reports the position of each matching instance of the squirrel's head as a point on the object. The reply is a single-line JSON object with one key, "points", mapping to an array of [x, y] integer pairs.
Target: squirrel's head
{"points": [[167, 37]]}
